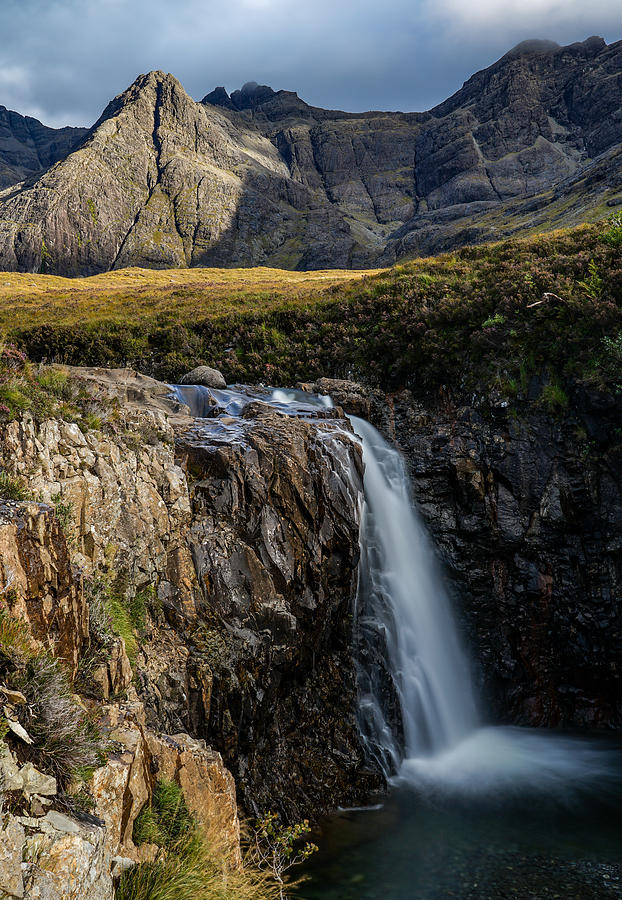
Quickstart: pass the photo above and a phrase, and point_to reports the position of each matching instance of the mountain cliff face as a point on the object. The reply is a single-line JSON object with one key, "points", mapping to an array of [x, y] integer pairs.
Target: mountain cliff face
{"points": [[27, 147], [262, 178]]}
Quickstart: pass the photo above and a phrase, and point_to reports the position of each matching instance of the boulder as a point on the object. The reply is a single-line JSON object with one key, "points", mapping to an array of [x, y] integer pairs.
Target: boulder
{"points": [[205, 376]]}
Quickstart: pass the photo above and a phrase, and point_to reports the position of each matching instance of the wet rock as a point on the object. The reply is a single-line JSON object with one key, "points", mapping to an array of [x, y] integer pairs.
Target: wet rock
{"points": [[528, 525]]}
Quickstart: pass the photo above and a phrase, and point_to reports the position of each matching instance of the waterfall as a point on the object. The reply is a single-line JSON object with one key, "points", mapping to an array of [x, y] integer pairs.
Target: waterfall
{"points": [[406, 635], [402, 608], [402, 598]]}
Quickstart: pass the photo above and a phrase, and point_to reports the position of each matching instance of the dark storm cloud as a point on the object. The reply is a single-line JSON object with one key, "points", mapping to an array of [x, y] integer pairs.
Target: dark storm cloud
{"points": [[62, 60]]}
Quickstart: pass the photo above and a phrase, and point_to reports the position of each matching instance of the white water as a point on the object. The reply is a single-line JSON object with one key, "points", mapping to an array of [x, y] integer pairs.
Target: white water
{"points": [[446, 748]]}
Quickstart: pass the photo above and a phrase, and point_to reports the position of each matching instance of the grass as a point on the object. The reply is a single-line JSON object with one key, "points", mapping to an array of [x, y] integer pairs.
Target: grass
{"points": [[13, 488], [151, 293], [42, 391], [193, 863], [460, 322], [165, 820]]}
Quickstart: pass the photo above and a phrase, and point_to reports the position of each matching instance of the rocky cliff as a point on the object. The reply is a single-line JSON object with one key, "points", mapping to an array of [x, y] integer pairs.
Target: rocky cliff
{"points": [[60, 839], [262, 178], [197, 577], [239, 536]]}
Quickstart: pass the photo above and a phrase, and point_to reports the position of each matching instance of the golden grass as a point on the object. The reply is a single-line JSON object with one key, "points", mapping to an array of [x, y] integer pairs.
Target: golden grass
{"points": [[27, 299]]}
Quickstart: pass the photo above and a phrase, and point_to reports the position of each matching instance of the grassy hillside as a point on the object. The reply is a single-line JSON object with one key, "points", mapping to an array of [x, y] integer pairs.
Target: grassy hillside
{"points": [[487, 316]]}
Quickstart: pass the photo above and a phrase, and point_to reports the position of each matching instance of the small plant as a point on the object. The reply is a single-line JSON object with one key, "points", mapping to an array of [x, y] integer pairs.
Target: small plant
{"points": [[276, 848], [56, 382], [166, 819], [497, 319], [593, 285], [192, 862], [612, 358], [613, 234], [65, 737], [66, 518], [554, 397], [12, 488], [15, 644], [121, 622]]}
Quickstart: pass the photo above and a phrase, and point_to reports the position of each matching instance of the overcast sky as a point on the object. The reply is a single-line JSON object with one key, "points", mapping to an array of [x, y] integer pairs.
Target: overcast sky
{"points": [[62, 60]]}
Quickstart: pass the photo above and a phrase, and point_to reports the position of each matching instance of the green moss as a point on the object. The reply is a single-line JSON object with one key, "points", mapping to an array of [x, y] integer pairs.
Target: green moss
{"points": [[121, 622], [93, 212]]}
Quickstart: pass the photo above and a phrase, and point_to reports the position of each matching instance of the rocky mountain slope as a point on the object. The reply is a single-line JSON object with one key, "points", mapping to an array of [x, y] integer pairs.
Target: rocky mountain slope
{"points": [[533, 141], [28, 148]]}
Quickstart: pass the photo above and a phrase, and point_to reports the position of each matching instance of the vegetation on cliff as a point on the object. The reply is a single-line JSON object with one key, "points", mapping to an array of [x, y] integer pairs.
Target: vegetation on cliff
{"points": [[485, 317]]}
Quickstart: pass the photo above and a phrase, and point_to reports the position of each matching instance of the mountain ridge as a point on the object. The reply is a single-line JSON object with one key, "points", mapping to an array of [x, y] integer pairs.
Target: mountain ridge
{"points": [[263, 178]]}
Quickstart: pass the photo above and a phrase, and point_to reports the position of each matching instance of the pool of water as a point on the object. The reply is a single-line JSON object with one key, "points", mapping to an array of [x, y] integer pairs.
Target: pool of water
{"points": [[468, 847]]}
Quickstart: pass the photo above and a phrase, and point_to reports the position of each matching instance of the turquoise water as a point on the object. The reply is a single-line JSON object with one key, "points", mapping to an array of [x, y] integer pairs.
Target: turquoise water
{"points": [[416, 849]]}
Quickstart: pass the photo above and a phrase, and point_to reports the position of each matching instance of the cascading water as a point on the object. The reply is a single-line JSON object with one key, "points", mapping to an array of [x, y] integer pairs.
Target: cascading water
{"points": [[401, 597], [402, 605]]}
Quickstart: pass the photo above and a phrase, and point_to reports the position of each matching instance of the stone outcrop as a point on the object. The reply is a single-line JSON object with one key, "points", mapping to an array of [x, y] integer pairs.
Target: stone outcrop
{"points": [[54, 853], [206, 376], [245, 529], [262, 178], [48, 846]]}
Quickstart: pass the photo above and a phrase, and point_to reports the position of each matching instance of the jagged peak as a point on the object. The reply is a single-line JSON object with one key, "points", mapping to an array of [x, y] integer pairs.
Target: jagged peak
{"points": [[249, 96], [539, 47]]}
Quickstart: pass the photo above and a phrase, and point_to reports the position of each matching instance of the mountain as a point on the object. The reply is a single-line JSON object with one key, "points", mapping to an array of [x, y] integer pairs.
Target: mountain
{"points": [[262, 178], [27, 147]]}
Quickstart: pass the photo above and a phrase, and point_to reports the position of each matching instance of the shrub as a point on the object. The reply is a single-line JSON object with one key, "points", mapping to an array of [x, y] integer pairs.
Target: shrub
{"points": [[65, 737], [277, 848], [497, 319], [613, 234]]}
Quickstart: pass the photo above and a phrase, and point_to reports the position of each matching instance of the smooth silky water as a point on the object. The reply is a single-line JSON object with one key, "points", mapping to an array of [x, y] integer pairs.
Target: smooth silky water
{"points": [[474, 811]]}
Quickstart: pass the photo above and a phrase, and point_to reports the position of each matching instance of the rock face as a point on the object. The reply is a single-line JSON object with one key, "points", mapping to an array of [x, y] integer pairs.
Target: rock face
{"points": [[206, 376], [274, 541], [246, 526], [527, 517], [46, 848], [262, 178], [27, 147]]}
